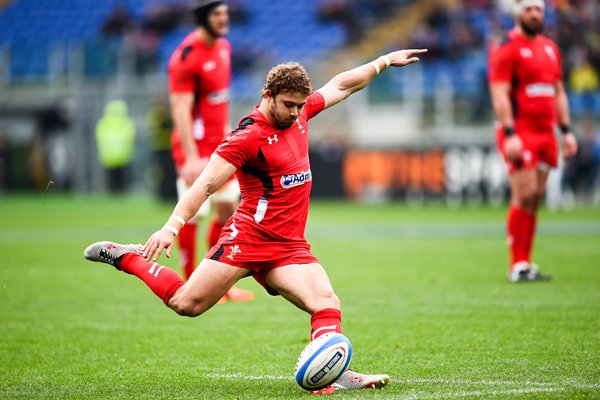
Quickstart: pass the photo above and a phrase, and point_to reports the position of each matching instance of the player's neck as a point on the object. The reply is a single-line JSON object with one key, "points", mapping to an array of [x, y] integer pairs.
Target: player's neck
{"points": [[524, 34], [263, 108], [206, 37]]}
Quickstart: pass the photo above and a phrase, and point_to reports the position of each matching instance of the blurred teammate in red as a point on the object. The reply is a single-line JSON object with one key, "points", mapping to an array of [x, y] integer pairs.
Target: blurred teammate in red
{"points": [[529, 99], [265, 236], [199, 78]]}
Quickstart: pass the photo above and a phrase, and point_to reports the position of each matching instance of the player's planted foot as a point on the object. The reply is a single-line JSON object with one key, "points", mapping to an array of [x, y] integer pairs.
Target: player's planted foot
{"points": [[355, 380], [526, 272], [239, 295], [110, 252]]}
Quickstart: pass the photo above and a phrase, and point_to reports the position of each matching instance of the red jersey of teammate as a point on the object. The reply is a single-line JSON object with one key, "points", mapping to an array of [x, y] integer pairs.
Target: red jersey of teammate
{"points": [[273, 171], [205, 71], [532, 67]]}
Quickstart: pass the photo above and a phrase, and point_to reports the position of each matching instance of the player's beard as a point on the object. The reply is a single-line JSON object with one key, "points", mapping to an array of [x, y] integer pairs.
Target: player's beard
{"points": [[532, 28], [284, 124], [280, 123]]}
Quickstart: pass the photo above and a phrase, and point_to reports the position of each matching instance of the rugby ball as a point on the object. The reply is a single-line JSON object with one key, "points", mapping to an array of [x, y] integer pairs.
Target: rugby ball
{"points": [[323, 361]]}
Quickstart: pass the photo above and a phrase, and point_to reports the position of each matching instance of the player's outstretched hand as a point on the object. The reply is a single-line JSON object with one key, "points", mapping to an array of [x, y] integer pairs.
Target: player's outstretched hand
{"points": [[401, 58], [570, 145], [160, 240], [513, 146]]}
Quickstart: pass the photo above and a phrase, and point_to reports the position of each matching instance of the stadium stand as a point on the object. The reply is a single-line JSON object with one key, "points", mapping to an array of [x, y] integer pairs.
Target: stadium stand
{"points": [[458, 34]]}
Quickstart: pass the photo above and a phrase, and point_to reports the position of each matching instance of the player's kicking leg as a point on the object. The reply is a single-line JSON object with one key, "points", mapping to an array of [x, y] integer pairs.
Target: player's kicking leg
{"points": [[208, 283], [308, 287]]}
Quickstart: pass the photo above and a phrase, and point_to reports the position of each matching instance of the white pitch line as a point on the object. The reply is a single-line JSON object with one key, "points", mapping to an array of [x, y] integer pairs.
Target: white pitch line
{"points": [[480, 393], [250, 377], [543, 386]]}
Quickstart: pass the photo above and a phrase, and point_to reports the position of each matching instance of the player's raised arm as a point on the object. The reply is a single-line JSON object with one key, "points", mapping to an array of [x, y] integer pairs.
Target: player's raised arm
{"points": [[217, 172], [344, 84]]}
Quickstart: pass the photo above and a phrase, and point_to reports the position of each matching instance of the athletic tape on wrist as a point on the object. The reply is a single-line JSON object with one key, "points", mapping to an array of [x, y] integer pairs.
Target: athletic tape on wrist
{"points": [[387, 60], [172, 229], [375, 65], [178, 219]]}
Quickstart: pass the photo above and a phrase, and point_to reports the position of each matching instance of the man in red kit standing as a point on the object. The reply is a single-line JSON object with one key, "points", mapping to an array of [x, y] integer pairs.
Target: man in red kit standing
{"points": [[199, 78], [264, 238], [529, 98]]}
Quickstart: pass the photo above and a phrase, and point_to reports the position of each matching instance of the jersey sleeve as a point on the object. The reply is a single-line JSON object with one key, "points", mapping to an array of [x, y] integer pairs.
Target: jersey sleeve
{"points": [[236, 147], [314, 105], [501, 64], [182, 77]]}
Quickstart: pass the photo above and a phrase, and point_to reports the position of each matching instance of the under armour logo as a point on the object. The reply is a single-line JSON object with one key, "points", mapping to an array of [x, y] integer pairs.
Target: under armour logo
{"points": [[273, 139]]}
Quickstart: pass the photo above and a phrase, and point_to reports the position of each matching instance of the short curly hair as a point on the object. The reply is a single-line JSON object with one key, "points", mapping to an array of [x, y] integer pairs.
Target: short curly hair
{"points": [[288, 78]]}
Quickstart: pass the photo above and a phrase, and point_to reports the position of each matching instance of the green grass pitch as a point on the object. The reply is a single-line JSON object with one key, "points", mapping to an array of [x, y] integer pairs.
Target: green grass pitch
{"points": [[424, 299]]}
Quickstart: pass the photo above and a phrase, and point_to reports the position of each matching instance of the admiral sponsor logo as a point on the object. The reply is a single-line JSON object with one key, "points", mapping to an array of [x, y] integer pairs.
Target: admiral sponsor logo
{"points": [[327, 367], [297, 179], [540, 90]]}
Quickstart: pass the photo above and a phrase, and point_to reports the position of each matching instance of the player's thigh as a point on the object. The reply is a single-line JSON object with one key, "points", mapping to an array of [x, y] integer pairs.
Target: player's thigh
{"points": [[208, 283], [542, 179], [305, 285], [523, 184]]}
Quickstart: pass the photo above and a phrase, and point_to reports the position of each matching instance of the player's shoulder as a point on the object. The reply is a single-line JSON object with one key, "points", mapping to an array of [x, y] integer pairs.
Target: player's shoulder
{"points": [[245, 128], [187, 49], [223, 42], [545, 40], [508, 39]]}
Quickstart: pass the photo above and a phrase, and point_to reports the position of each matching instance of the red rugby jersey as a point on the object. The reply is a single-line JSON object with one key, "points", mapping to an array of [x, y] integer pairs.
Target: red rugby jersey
{"points": [[273, 172], [205, 71], [533, 67]]}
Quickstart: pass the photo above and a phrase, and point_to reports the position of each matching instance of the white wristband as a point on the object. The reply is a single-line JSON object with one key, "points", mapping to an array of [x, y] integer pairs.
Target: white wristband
{"points": [[172, 229], [387, 60], [375, 65], [178, 219]]}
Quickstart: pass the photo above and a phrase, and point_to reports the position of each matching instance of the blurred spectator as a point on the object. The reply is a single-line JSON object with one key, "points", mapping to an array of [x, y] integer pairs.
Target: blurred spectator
{"points": [[583, 81], [162, 18], [238, 11], [344, 12], [115, 138], [4, 163], [580, 176], [118, 21], [159, 124], [142, 45], [50, 155]]}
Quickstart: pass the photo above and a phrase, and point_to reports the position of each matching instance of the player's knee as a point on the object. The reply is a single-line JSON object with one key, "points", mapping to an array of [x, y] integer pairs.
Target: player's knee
{"points": [[527, 200], [186, 307]]}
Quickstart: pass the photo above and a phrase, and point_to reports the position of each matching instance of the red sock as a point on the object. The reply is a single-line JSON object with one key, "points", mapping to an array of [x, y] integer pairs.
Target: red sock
{"points": [[187, 248], [519, 227], [531, 228], [325, 320], [163, 281], [213, 233]]}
